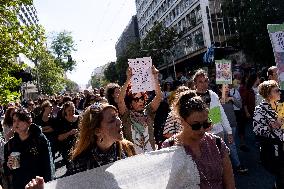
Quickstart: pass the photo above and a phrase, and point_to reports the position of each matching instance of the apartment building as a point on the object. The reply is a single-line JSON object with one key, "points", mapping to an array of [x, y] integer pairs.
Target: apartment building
{"points": [[28, 15], [200, 23]]}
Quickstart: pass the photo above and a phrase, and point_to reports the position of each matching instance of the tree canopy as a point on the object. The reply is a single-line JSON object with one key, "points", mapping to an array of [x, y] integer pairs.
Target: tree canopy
{"points": [[158, 41], [15, 39], [62, 46], [252, 17]]}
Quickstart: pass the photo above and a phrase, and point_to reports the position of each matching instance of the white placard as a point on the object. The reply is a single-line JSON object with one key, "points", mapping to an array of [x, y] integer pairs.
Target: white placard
{"points": [[169, 168], [142, 79], [277, 39], [223, 72], [276, 33]]}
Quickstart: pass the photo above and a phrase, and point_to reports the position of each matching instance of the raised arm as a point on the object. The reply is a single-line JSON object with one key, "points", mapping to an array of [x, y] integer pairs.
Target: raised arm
{"points": [[158, 98], [121, 103]]}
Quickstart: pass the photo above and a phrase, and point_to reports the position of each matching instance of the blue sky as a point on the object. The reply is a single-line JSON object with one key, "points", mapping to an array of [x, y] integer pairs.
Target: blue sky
{"points": [[95, 25]]}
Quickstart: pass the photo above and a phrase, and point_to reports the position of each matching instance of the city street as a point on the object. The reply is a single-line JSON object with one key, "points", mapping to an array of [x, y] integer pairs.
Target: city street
{"points": [[257, 177]]}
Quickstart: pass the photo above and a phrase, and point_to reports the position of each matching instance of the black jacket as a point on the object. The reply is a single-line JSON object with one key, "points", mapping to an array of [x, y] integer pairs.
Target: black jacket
{"points": [[35, 158]]}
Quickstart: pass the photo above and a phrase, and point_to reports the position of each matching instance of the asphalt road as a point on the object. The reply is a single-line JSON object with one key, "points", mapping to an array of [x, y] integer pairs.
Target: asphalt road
{"points": [[257, 177]]}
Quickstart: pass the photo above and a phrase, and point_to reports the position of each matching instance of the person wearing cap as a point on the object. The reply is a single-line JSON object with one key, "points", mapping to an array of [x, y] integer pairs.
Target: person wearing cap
{"points": [[33, 149]]}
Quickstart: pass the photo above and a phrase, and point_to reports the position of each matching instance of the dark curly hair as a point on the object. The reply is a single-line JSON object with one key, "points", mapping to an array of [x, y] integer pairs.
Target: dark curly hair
{"points": [[188, 103], [23, 114]]}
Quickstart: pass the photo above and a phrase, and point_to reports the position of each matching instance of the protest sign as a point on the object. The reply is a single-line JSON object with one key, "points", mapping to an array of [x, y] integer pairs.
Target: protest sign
{"points": [[276, 33], [215, 115], [169, 168], [223, 72], [142, 77]]}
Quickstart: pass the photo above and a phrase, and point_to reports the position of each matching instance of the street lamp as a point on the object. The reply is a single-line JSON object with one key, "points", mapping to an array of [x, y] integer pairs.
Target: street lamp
{"points": [[171, 54]]}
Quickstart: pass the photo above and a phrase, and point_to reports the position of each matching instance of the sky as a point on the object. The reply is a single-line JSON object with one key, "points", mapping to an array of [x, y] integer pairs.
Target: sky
{"points": [[96, 26]]}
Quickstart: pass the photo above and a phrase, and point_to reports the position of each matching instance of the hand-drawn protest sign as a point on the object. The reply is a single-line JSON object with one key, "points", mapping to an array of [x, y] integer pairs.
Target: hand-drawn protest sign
{"points": [[142, 79], [276, 33], [169, 168], [223, 72]]}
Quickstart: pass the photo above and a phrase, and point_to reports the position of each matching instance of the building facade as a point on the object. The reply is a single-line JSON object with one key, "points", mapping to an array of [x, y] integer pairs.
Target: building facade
{"points": [[28, 15], [129, 35], [200, 23]]}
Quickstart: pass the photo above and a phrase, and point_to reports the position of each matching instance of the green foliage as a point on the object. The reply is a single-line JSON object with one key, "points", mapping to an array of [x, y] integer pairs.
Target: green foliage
{"points": [[62, 46], [252, 17], [110, 73], [98, 81], [50, 75], [158, 42], [15, 39], [71, 86], [116, 71]]}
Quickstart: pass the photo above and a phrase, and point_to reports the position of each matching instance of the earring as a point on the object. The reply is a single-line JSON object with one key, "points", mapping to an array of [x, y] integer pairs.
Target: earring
{"points": [[101, 140]]}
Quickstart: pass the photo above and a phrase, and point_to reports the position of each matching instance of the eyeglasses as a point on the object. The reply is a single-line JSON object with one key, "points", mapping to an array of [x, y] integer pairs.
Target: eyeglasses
{"points": [[136, 99], [197, 126]]}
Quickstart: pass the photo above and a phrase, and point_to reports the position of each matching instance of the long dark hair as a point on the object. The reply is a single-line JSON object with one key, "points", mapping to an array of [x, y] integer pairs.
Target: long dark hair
{"points": [[110, 88], [8, 118]]}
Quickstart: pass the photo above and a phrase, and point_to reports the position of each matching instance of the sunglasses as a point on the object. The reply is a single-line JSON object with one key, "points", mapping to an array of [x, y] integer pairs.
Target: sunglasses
{"points": [[197, 126], [136, 99]]}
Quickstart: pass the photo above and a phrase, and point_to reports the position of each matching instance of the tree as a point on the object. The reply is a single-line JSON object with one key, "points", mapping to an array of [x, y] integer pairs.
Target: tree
{"points": [[71, 86], [50, 75], [62, 47], [116, 71], [158, 42], [110, 73], [15, 39], [97, 81], [252, 17]]}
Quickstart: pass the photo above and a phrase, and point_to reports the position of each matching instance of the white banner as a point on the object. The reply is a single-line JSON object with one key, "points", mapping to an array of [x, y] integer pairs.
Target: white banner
{"points": [[168, 168]]}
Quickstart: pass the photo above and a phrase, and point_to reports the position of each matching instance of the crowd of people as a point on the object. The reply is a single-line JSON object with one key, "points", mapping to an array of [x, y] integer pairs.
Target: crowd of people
{"points": [[98, 127]]}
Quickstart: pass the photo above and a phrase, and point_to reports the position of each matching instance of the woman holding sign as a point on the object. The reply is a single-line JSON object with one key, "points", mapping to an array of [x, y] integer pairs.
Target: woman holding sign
{"points": [[267, 128], [137, 116]]}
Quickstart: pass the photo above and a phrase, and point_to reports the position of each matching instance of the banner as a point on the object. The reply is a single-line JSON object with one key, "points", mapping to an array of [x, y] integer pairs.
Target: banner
{"points": [[169, 168], [276, 33], [142, 77], [223, 71]]}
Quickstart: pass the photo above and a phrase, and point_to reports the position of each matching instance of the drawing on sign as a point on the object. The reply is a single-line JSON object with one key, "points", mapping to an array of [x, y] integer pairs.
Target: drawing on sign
{"points": [[223, 72], [280, 39], [142, 76]]}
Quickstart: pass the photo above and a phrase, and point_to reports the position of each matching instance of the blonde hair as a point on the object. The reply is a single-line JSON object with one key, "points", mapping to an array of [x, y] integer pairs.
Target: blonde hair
{"points": [[87, 137], [266, 87]]}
